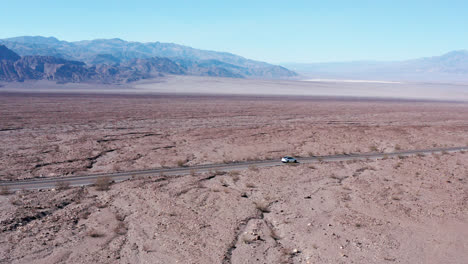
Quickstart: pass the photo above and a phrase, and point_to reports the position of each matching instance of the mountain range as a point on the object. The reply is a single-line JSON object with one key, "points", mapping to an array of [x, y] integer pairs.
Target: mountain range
{"points": [[116, 60], [452, 66]]}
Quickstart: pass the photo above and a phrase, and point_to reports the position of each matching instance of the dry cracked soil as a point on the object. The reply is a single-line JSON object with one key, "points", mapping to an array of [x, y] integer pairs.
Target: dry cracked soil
{"points": [[391, 210]]}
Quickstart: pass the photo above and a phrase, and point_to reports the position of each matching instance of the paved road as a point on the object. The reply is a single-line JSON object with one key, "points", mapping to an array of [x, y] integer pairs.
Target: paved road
{"points": [[48, 183]]}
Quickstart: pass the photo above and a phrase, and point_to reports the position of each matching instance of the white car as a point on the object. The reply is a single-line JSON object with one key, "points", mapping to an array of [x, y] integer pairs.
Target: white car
{"points": [[288, 159]]}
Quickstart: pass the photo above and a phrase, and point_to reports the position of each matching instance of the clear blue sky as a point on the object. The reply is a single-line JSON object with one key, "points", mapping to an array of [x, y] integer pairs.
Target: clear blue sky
{"points": [[273, 31]]}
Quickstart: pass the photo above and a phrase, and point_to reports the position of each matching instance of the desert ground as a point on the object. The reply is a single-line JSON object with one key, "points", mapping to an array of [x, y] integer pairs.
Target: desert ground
{"points": [[197, 85], [391, 210]]}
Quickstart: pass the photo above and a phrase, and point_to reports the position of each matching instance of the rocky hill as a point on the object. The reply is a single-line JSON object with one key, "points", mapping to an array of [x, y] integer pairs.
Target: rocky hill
{"points": [[117, 52], [109, 69], [16, 68]]}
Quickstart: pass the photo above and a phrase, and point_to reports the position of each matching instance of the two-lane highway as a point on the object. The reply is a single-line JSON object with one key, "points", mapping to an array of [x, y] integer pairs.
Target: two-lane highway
{"points": [[51, 182]]}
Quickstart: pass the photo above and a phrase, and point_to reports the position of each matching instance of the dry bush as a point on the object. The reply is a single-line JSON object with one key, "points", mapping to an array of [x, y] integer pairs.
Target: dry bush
{"points": [[62, 185], [235, 178], [224, 183], [234, 175], [262, 206], [147, 248], [116, 167], [398, 165], [5, 190], [312, 167], [120, 217], [250, 185], [193, 172], [218, 172], [121, 229], [247, 239], [94, 233], [253, 168], [402, 157], [310, 153], [397, 147], [85, 214], [16, 202], [274, 235], [101, 205], [181, 163], [420, 155], [103, 183], [373, 148]]}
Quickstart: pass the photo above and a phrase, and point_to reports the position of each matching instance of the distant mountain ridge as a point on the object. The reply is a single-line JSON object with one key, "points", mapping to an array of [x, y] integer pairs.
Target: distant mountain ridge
{"points": [[449, 66], [16, 68], [121, 53]]}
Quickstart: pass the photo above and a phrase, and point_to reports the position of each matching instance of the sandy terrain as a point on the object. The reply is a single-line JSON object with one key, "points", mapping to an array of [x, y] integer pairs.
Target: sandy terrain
{"points": [[395, 210], [411, 210], [229, 86], [48, 135]]}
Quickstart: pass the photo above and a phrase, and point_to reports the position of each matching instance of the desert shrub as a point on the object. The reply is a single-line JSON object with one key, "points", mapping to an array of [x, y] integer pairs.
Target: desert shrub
{"points": [[274, 235], [262, 206], [101, 205], [373, 148], [62, 185], [234, 175], [181, 163], [85, 214], [102, 183], [253, 168], [250, 185], [120, 229], [224, 183], [247, 239], [4, 190], [397, 147], [94, 233], [218, 172], [398, 165], [120, 217]]}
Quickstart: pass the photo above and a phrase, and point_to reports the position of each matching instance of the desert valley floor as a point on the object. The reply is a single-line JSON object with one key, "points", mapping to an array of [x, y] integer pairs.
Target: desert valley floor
{"points": [[391, 210]]}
